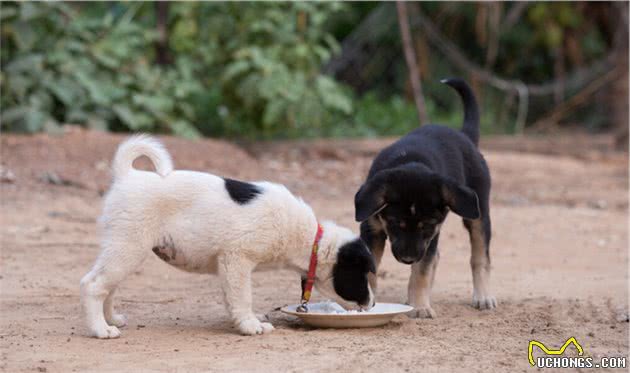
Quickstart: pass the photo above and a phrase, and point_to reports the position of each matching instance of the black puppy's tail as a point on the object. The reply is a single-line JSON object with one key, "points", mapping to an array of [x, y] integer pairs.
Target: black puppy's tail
{"points": [[471, 110]]}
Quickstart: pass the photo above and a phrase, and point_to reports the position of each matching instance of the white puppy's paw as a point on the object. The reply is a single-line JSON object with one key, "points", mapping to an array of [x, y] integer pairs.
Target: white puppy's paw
{"points": [[118, 320], [254, 326], [107, 332], [484, 302], [422, 312], [267, 327]]}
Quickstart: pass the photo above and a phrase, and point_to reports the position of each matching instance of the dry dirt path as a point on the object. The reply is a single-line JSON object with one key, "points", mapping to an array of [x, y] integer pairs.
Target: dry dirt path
{"points": [[560, 257]]}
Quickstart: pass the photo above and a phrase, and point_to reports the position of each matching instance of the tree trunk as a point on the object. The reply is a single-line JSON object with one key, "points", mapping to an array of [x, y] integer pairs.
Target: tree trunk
{"points": [[162, 52], [410, 58], [620, 87]]}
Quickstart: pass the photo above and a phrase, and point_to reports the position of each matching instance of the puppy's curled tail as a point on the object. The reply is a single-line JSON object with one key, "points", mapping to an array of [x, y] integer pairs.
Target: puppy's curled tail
{"points": [[471, 110], [137, 146]]}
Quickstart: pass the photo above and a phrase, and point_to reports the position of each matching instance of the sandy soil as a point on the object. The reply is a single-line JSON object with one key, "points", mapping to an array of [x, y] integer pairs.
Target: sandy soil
{"points": [[559, 254]]}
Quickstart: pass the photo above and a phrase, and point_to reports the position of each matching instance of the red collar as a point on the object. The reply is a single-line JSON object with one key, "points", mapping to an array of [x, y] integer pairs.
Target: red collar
{"points": [[307, 286]]}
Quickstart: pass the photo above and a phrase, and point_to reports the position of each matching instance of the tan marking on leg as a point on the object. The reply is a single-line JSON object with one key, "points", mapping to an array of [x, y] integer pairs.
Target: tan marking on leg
{"points": [[377, 252], [377, 225], [480, 265], [420, 285]]}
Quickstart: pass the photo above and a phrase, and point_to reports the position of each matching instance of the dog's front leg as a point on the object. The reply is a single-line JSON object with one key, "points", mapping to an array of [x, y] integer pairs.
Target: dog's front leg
{"points": [[421, 282], [373, 234], [236, 280]]}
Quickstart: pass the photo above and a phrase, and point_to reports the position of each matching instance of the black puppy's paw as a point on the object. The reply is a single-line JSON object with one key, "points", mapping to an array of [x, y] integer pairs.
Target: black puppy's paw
{"points": [[422, 313]]}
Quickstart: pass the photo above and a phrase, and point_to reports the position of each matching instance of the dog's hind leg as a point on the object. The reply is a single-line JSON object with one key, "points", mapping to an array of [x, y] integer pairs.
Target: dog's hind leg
{"points": [[374, 237], [480, 231], [421, 282], [236, 280], [115, 319], [116, 261]]}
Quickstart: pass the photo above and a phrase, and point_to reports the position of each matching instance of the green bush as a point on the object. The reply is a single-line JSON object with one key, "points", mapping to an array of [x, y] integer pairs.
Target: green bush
{"points": [[61, 67], [268, 68], [254, 69], [238, 70]]}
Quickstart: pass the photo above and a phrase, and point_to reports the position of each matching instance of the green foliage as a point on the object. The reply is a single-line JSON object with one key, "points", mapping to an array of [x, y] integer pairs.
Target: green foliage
{"points": [[250, 70], [74, 69], [266, 59], [255, 69], [375, 116]]}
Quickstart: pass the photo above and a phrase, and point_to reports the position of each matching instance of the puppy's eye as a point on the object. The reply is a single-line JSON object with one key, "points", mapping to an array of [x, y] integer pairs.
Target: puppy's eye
{"points": [[420, 224], [403, 224], [433, 221]]}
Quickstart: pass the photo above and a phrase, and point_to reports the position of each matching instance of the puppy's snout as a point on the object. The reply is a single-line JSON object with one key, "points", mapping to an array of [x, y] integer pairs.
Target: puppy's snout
{"points": [[410, 254], [408, 259], [368, 306]]}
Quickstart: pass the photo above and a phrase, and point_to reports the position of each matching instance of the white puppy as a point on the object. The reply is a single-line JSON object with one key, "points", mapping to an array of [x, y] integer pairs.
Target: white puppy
{"points": [[203, 223]]}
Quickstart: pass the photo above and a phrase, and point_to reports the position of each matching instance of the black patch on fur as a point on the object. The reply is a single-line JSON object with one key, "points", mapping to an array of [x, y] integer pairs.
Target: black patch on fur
{"points": [[166, 249], [160, 253], [354, 261], [240, 191]]}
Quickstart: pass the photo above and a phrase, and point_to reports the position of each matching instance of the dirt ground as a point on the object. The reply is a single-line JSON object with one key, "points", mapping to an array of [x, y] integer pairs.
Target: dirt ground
{"points": [[559, 250]]}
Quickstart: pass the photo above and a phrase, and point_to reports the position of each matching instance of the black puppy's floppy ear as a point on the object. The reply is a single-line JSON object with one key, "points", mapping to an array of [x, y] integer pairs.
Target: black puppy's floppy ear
{"points": [[461, 199], [370, 199]]}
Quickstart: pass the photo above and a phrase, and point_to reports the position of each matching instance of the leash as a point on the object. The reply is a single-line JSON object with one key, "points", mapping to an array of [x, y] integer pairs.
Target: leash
{"points": [[307, 284]]}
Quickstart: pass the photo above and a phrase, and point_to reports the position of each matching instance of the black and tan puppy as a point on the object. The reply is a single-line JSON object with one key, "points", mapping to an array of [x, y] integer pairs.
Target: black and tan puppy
{"points": [[411, 187]]}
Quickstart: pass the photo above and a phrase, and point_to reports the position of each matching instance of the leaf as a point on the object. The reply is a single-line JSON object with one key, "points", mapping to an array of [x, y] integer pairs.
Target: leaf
{"points": [[234, 69], [126, 116], [155, 104], [185, 129], [24, 35], [273, 112], [19, 85], [97, 123], [93, 87], [64, 90], [40, 99], [76, 115], [105, 58], [134, 120], [321, 52], [14, 114], [332, 43], [30, 10], [187, 109], [31, 62], [332, 96], [7, 12], [34, 120]]}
